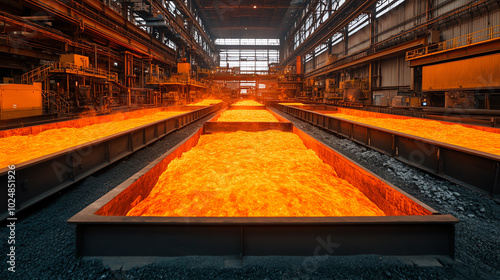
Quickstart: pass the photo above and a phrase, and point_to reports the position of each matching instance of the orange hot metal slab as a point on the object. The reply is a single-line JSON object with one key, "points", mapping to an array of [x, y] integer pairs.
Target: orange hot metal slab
{"points": [[247, 103], [252, 174], [104, 229], [207, 102], [247, 120]]}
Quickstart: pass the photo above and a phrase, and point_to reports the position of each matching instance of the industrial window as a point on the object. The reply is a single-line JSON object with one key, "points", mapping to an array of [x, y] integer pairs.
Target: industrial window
{"points": [[246, 42], [249, 61], [386, 5], [336, 38], [317, 16], [309, 57], [170, 5], [320, 49], [358, 23]]}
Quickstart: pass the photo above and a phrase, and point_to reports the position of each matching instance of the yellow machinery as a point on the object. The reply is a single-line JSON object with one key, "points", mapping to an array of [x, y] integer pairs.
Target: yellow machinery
{"points": [[78, 60], [183, 68], [17, 101]]}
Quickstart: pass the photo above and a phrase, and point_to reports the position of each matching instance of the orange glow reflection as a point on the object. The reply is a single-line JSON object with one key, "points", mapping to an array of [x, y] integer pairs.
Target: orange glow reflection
{"points": [[21, 148], [247, 116], [252, 174], [247, 103], [454, 134], [206, 102], [291, 103]]}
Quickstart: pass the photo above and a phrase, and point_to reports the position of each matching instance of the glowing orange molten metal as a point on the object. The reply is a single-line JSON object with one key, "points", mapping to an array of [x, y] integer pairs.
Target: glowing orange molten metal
{"points": [[247, 116], [247, 103], [206, 102], [16, 149], [252, 174], [454, 134], [291, 103]]}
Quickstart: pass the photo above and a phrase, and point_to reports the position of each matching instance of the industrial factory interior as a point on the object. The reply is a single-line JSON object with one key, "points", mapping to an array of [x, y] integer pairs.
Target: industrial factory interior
{"points": [[250, 139]]}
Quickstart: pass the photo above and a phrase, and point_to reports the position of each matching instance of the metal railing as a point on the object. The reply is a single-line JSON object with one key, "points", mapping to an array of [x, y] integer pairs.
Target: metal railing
{"points": [[36, 75], [65, 66], [41, 73], [465, 40]]}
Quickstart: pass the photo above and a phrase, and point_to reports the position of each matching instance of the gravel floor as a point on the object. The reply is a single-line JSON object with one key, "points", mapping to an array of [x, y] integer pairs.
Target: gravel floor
{"points": [[46, 243]]}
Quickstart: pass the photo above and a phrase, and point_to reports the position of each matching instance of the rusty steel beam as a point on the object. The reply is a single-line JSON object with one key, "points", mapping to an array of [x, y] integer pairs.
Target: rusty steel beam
{"points": [[18, 21], [28, 53], [80, 19], [375, 56], [458, 53]]}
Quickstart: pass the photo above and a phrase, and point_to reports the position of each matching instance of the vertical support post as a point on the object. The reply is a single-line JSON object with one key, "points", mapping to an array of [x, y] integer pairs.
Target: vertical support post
{"points": [[370, 84], [346, 40], [95, 56]]}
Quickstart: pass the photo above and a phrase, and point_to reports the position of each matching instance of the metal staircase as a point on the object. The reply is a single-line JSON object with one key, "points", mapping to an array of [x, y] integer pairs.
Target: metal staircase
{"points": [[36, 75], [53, 102]]}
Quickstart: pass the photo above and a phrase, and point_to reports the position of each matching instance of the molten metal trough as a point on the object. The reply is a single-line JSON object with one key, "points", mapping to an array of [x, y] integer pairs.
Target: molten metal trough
{"points": [[457, 152], [242, 121], [41, 175], [409, 227]]}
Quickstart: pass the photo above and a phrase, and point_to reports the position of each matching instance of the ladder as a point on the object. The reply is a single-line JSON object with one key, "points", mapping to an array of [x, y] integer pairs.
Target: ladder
{"points": [[52, 99]]}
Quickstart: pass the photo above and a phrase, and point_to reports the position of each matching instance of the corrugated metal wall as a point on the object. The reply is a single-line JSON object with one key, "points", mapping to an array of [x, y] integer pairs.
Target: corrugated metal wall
{"points": [[402, 13], [322, 59], [338, 49], [359, 40], [395, 72]]}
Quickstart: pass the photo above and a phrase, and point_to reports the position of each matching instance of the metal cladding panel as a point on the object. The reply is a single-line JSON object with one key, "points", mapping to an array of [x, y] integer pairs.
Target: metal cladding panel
{"points": [[119, 146], [446, 5], [395, 72], [309, 66], [322, 59], [470, 169], [359, 40], [472, 73], [381, 141], [494, 18], [418, 153], [408, 12], [338, 49]]}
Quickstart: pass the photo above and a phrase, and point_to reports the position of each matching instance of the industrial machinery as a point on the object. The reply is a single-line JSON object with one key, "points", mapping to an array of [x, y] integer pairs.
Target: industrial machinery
{"points": [[17, 101]]}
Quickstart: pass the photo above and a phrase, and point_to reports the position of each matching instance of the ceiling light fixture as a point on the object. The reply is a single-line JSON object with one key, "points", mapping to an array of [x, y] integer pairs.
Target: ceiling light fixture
{"points": [[255, 6]]}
